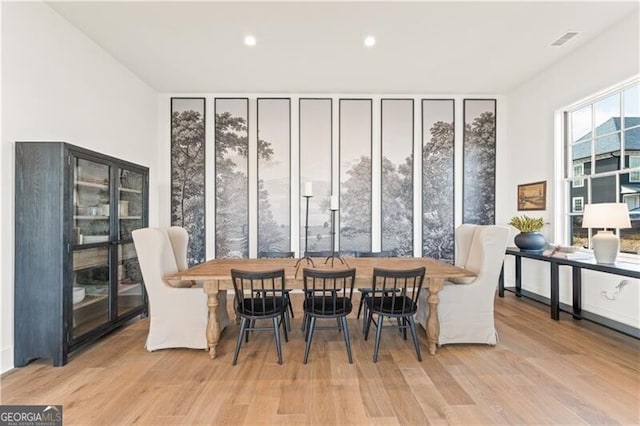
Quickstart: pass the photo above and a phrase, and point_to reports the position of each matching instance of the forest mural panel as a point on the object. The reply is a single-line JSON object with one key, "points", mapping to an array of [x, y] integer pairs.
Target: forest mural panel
{"points": [[479, 161], [232, 184], [188, 172], [274, 164], [397, 176], [315, 168], [355, 174], [438, 178]]}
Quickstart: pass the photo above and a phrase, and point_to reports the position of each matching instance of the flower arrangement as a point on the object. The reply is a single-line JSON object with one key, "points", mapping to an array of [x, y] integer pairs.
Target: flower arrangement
{"points": [[525, 223]]}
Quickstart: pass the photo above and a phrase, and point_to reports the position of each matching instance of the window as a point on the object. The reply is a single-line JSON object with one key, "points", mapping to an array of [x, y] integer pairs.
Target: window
{"points": [[603, 146], [578, 170], [634, 161], [577, 204]]}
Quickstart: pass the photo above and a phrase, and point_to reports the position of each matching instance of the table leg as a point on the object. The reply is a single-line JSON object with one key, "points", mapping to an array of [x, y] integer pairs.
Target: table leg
{"points": [[577, 292], [433, 324], [518, 276], [555, 291], [213, 326]]}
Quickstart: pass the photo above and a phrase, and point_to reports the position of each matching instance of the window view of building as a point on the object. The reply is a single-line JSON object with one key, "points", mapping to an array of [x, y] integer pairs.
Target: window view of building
{"points": [[604, 161]]}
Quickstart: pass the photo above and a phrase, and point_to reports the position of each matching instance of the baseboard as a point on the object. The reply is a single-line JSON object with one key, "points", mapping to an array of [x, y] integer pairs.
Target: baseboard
{"points": [[6, 359], [589, 316]]}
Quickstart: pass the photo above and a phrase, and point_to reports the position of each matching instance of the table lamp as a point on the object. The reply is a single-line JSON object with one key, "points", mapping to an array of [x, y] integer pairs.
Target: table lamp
{"points": [[606, 215]]}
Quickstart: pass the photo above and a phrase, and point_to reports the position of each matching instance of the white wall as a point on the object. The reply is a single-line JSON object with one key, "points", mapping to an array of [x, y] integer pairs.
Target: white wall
{"points": [[610, 58], [58, 85]]}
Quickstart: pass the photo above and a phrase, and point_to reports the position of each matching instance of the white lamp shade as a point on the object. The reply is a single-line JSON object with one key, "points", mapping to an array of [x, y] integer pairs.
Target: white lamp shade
{"points": [[606, 215]]}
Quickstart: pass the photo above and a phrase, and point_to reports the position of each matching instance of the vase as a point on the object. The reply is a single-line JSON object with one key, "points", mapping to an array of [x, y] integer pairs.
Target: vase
{"points": [[530, 241]]}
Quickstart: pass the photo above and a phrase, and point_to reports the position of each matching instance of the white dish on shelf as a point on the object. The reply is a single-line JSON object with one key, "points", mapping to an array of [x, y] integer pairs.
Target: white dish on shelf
{"points": [[89, 239], [78, 294]]}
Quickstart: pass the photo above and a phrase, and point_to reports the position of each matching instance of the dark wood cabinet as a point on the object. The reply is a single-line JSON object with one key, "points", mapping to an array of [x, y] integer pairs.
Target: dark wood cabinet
{"points": [[76, 271]]}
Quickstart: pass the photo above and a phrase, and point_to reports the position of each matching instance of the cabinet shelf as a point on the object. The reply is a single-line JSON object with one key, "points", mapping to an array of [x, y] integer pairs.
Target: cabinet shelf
{"points": [[131, 190], [89, 217], [85, 217], [91, 184], [88, 300]]}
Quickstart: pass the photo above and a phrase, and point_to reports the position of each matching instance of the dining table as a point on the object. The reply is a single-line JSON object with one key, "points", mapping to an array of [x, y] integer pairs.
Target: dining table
{"points": [[216, 277]]}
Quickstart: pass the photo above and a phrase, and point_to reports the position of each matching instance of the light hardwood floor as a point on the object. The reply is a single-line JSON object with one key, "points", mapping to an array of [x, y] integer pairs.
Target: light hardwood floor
{"points": [[541, 372]]}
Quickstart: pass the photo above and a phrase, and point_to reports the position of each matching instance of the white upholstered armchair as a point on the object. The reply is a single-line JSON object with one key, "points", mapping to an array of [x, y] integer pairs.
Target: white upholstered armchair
{"points": [[178, 316], [465, 310]]}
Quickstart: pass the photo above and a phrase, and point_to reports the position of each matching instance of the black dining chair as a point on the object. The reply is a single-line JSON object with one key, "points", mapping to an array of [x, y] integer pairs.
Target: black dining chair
{"points": [[327, 296], [271, 304], [287, 291], [395, 295], [365, 291], [320, 253]]}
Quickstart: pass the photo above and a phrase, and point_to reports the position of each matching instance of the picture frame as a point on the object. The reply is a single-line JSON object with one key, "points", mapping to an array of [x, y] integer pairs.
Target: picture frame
{"points": [[532, 196]]}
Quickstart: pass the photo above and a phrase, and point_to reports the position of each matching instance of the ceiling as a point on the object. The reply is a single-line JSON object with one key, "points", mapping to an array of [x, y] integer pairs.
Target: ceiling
{"points": [[317, 47]]}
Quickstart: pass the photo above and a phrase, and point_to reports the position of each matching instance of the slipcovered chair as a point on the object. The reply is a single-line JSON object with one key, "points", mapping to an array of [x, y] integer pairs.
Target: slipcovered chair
{"points": [[180, 245], [466, 304], [178, 316]]}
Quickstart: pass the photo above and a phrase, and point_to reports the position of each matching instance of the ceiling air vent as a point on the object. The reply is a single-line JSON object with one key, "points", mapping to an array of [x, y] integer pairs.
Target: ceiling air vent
{"points": [[565, 38]]}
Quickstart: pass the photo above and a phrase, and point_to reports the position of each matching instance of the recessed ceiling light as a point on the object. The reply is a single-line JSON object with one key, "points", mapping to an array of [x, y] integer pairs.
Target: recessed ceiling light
{"points": [[370, 41], [250, 40]]}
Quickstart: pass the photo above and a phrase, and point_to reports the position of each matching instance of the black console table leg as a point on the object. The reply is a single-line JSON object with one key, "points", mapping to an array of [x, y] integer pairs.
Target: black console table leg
{"points": [[577, 292], [501, 281], [555, 291], [518, 276]]}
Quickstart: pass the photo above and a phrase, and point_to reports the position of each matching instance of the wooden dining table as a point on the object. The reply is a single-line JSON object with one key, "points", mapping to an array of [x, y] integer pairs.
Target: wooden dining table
{"points": [[216, 276]]}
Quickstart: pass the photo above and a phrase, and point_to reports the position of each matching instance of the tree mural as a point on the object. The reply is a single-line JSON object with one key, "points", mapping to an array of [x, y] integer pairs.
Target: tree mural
{"points": [[271, 237], [479, 169], [437, 193], [356, 199], [397, 206], [231, 190], [187, 178]]}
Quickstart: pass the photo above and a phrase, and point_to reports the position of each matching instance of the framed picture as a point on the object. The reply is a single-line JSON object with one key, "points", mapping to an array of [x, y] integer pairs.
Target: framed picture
{"points": [[532, 196]]}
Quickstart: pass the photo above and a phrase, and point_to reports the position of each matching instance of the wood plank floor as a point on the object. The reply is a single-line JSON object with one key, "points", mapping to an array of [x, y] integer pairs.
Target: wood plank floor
{"points": [[541, 372]]}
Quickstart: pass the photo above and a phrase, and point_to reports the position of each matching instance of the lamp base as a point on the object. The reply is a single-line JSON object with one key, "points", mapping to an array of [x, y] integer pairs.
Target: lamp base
{"points": [[605, 246]]}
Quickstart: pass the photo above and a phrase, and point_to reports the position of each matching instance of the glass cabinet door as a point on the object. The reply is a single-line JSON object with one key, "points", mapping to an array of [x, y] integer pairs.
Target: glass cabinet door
{"points": [[130, 290], [130, 205], [90, 202], [91, 281]]}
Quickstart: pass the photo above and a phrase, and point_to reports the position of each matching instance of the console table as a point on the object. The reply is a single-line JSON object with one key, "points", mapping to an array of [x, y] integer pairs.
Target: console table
{"points": [[626, 269]]}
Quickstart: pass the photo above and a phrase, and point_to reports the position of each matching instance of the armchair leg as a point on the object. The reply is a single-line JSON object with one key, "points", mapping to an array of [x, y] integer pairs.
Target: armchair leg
{"points": [[360, 305], [368, 325], [412, 327], [347, 340], [283, 321], [290, 308], [312, 324], [378, 334], [243, 328], [276, 332], [365, 316]]}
